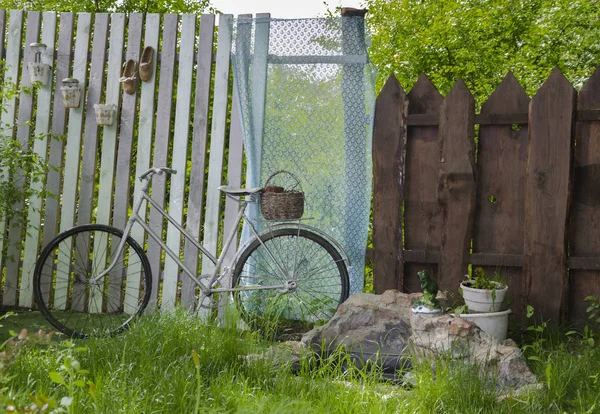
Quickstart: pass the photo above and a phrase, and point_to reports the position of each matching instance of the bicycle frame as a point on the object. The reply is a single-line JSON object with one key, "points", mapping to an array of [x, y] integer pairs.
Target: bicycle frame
{"points": [[135, 217]]}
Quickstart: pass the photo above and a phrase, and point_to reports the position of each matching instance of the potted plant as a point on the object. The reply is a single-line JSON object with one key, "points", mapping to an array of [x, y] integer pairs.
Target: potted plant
{"points": [[482, 293], [484, 298]]}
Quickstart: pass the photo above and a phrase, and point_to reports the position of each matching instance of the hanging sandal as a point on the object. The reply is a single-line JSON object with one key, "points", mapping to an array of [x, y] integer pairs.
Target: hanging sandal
{"points": [[129, 77], [146, 67]]}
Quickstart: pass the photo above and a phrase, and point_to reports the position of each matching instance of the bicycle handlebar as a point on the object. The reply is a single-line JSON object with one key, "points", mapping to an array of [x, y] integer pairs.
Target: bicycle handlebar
{"points": [[157, 170]]}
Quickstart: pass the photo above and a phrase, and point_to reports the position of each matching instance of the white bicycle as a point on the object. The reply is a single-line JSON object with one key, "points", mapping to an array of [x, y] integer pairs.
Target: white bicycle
{"points": [[93, 279]]}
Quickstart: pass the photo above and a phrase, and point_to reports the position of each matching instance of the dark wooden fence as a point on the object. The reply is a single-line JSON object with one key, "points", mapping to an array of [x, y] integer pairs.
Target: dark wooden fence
{"points": [[522, 198]]}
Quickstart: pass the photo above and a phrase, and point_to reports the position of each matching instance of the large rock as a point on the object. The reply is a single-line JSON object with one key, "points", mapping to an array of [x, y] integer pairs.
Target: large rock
{"points": [[383, 329], [459, 339], [371, 328]]}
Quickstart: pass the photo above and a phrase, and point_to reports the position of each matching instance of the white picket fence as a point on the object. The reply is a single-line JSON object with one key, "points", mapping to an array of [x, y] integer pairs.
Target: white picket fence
{"points": [[172, 120]]}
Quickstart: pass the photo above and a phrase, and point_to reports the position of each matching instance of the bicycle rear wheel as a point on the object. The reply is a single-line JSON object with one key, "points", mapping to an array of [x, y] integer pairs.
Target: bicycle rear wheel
{"points": [[72, 300], [305, 261]]}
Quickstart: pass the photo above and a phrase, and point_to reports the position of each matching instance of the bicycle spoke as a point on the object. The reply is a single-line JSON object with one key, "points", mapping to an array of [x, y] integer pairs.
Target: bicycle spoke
{"points": [[315, 270], [86, 306]]}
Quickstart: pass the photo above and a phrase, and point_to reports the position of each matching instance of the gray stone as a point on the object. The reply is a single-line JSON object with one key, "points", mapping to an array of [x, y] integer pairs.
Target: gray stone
{"points": [[372, 328], [456, 338], [382, 329]]}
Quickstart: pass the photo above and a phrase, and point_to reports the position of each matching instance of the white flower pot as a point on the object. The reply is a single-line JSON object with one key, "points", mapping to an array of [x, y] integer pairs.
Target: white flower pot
{"points": [[483, 300], [105, 114], [494, 323], [38, 72], [71, 93]]}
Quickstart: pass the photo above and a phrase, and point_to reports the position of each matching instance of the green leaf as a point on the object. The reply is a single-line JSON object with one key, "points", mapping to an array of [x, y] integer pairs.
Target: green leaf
{"points": [[92, 388], [57, 378], [79, 383], [530, 310], [196, 358]]}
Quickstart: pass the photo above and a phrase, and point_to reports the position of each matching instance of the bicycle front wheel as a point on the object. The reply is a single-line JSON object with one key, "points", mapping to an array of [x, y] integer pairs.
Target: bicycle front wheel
{"points": [[69, 293], [309, 265]]}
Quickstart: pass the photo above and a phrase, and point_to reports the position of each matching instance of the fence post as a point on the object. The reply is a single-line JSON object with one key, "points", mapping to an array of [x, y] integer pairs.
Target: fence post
{"points": [[422, 212], [547, 195], [456, 191], [389, 134], [14, 244], [584, 215], [501, 158]]}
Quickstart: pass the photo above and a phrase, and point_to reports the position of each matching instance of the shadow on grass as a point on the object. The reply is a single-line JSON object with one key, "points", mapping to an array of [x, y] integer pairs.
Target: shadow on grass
{"points": [[33, 321]]}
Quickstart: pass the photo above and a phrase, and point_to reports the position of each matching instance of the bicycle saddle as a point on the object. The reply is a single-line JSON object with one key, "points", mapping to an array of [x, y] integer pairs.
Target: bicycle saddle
{"points": [[239, 191]]}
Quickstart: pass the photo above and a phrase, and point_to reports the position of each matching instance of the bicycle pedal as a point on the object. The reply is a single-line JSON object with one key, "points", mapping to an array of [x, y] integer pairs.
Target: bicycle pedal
{"points": [[206, 302]]}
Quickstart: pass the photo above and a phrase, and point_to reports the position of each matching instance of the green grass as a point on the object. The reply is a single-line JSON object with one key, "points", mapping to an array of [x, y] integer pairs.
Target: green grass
{"points": [[31, 320], [172, 363]]}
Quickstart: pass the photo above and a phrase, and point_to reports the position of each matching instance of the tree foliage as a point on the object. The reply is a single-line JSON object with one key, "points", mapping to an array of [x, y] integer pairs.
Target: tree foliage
{"points": [[18, 163], [480, 41], [109, 6]]}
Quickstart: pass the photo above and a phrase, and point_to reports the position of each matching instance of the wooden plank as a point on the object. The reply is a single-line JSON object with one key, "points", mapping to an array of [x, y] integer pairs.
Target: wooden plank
{"points": [[520, 118], [584, 216], [500, 199], [2, 30], [59, 118], [144, 141], [110, 132], [241, 80], [480, 119], [123, 170], [40, 145], [234, 179], [547, 196], [73, 151], [456, 192], [588, 114], [432, 119], [389, 135], [583, 263], [508, 118], [234, 176], [161, 144], [95, 90], [73, 146], [127, 126], [217, 137], [23, 132], [476, 259], [179, 155], [198, 155], [500, 262], [109, 138], [258, 84], [90, 143], [2, 173], [422, 213], [9, 103]]}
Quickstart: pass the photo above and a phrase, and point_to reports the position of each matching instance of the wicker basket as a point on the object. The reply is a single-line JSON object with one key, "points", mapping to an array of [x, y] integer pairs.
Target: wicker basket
{"points": [[280, 203]]}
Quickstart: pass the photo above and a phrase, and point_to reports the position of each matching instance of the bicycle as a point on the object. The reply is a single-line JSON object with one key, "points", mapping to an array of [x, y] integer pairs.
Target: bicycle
{"points": [[94, 279]]}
